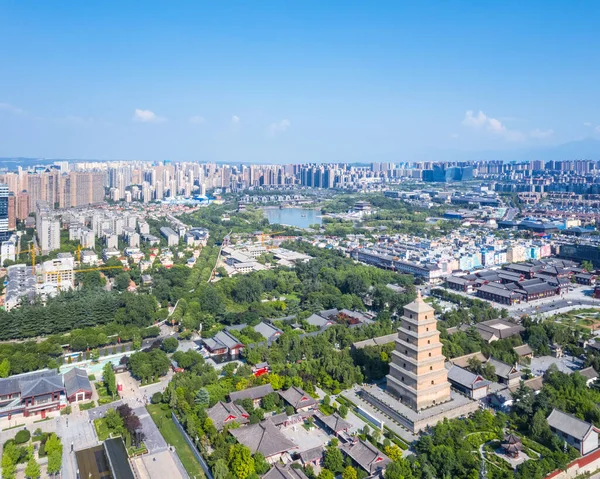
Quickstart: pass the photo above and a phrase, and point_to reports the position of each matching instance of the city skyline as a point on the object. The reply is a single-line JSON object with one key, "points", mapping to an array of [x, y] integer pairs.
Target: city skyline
{"points": [[272, 84]]}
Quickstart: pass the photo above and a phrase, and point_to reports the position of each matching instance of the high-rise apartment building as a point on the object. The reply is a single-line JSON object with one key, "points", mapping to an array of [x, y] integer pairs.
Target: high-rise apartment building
{"points": [[4, 222]]}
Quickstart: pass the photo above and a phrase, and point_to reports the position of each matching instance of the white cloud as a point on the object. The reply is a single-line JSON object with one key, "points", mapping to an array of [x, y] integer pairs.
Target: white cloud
{"points": [[541, 134], [474, 121], [279, 127], [493, 125], [598, 129], [197, 120], [147, 116], [587, 123], [235, 119], [454, 136], [11, 108]]}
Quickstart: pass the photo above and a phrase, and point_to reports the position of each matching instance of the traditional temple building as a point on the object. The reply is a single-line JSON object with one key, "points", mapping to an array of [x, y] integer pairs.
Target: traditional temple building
{"points": [[418, 377]]}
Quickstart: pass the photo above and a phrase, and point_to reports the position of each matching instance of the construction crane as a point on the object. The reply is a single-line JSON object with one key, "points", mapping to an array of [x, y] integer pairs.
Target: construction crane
{"points": [[31, 251]]}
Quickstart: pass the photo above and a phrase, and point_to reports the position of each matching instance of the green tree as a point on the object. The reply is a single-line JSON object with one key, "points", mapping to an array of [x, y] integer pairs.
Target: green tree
{"points": [[261, 465], [343, 410], [334, 461], [241, 462], [122, 281], [202, 397], [349, 473], [587, 266], [326, 474], [53, 444], [54, 462], [109, 379], [169, 345], [399, 469], [5, 368], [9, 468], [220, 469], [32, 469]]}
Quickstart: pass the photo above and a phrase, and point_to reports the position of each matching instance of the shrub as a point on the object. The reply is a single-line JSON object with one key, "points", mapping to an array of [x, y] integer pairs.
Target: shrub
{"points": [[22, 436], [157, 397]]}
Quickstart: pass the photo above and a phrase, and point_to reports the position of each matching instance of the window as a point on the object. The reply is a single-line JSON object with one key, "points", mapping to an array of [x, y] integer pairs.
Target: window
{"points": [[426, 329], [429, 341], [429, 354], [425, 316], [431, 368], [403, 365], [406, 352], [409, 328], [402, 378], [411, 316], [432, 382]]}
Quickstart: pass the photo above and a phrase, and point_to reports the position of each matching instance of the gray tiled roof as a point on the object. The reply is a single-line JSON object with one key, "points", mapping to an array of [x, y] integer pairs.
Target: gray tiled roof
{"points": [[312, 454], [503, 370], [334, 422], [466, 378], [569, 425], [523, 350], [266, 330], [297, 397], [222, 413], [76, 380], [42, 386], [388, 338], [588, 373], [256, 392], [15, 384], [366, 455], [317, 320], [280, 471], [263, 437]]}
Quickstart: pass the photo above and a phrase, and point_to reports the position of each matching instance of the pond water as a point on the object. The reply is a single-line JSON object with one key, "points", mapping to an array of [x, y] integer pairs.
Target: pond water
{"points": [[298, 217]]}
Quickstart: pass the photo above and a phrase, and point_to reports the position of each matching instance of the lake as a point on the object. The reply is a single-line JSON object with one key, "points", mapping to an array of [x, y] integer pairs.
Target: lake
{"points": [[293, 216]]}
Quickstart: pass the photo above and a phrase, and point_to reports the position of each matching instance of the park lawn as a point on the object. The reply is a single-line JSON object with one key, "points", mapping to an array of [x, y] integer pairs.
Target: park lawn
{"points": [[167, 428]]}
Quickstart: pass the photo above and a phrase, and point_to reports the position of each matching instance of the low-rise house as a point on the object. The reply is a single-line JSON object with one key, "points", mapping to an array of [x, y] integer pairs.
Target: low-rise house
{"points": [[77, 385], [255, 394], [506, 373], [268, 331], [379, 341], [299, 399], [224, 413], [279, 471], [334, 422], [498, 329], [524, 351], [503, 399], [463, 361], [260, 369], [582, 435], [312, 457], [32, 393], [366, 456], [589, 374], [319, 321], [586, 279], [223, 343], [473, 385], [264, 437]]}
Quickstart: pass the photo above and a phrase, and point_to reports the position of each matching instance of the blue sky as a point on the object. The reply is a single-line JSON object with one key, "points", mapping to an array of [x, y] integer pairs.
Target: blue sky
{"points": [[295, 81]]}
